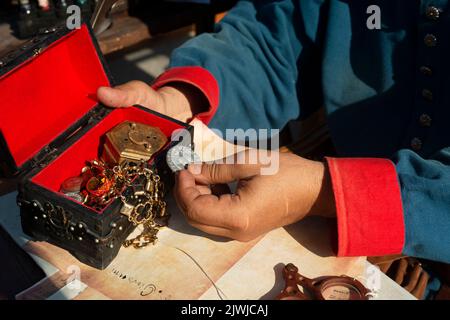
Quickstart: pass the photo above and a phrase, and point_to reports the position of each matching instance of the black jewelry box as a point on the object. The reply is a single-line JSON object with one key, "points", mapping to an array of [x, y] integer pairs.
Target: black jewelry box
{"points": [[51, 124]]}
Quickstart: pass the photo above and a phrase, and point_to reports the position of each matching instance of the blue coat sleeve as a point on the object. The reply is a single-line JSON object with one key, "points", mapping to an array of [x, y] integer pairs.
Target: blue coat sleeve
{"points": [[425, 188], [254, 55]]}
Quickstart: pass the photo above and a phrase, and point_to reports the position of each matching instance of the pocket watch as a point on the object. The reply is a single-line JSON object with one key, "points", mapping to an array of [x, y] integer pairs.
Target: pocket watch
{"points": [[179, 157]]}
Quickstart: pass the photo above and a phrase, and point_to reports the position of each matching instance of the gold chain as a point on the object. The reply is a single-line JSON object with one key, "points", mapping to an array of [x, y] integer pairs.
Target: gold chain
{"points": [[140, 189], [150, 205]]}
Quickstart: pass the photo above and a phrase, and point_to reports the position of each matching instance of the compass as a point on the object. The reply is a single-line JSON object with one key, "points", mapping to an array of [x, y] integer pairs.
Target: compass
{"points": [[180, 156], [322, 288]]}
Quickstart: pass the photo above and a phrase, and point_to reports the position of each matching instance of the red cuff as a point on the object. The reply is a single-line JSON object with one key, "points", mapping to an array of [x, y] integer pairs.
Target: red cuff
{"points": [[199, 77], [369, 207]]}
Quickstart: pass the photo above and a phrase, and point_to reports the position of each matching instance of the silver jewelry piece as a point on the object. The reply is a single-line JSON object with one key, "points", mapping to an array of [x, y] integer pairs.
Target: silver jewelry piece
{"points": [[75, 196], [180, 156]]}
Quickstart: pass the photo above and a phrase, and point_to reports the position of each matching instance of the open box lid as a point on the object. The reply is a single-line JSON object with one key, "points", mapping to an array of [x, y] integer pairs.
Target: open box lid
{"points": [[46, 88]]}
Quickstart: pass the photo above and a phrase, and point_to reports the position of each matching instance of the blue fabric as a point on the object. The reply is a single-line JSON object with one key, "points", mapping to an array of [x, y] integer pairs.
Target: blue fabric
{"points": [[276, 61]]}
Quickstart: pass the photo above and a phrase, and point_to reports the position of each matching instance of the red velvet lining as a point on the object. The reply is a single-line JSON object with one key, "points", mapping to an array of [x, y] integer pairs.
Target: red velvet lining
{"points": [[88, 147], [41, 98]]}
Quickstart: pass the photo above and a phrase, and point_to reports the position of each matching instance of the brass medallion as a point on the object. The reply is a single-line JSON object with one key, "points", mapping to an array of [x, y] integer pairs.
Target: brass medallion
{"points": [[132, 141]]}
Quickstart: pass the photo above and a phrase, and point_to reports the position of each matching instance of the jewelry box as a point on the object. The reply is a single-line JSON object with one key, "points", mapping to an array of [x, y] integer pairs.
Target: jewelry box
{"points": [[51, 124]]}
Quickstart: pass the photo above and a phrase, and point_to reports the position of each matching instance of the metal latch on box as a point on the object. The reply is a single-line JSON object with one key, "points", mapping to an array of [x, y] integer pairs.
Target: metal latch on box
{"points": [[44, 157]]}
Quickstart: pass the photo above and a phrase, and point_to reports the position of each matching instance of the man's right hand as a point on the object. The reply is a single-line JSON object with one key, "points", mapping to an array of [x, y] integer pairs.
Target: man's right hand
{"points": [[178, 100], [261, 203]]}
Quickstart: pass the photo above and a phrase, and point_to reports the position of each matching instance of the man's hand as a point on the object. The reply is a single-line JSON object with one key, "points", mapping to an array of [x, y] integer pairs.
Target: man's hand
{"points": [[179, 101], [261, 202]]}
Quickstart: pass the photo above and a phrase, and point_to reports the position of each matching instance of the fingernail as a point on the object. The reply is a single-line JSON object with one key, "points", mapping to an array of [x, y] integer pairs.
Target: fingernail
{"points": [[195, 168]]}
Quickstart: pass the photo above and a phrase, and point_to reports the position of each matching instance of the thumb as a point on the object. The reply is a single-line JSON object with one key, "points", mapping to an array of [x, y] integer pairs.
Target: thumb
{"points": [[215, 173], [128, 94]]}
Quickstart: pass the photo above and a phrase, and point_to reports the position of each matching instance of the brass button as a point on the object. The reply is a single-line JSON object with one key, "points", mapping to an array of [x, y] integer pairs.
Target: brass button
{"points": [[430, 40], [426, 71], [432, 13], [427, 94], [425, 120], [416, 144]]}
